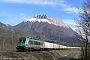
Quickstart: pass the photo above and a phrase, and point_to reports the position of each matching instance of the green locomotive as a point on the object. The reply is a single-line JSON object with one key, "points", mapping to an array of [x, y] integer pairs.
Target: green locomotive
{"points": [[29, 43]]}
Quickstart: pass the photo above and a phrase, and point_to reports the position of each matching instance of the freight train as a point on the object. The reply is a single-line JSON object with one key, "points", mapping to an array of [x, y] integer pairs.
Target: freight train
{"points": [[29, 43]]}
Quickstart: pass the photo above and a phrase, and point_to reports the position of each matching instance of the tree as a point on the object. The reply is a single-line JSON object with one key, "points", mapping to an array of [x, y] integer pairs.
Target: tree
{"points": [[83, 25]]}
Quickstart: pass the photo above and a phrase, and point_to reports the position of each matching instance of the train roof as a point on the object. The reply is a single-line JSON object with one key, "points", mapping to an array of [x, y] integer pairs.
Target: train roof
{"points": [[33, 39]]}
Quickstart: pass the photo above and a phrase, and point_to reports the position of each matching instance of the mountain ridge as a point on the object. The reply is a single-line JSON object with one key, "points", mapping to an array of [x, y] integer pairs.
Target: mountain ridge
{"points": [[45, 18], [39, 26]]}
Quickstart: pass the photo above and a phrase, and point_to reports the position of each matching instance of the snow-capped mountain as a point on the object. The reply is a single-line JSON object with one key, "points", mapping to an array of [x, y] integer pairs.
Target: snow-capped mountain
{"points": [[51, 28], [45, 18]]}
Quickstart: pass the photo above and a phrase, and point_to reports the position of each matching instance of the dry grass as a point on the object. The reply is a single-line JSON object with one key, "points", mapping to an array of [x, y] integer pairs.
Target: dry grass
{"points": [[36, 55]]}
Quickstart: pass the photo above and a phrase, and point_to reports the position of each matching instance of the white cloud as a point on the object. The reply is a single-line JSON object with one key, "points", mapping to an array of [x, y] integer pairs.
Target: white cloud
{"points": [[61, 3], [37, 2], [21, 14], [72, 10], [70, 22], [69, 8]]}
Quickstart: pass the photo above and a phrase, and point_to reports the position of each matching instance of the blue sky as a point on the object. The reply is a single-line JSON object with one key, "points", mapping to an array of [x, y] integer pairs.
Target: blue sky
{"points": [[15, 11]]}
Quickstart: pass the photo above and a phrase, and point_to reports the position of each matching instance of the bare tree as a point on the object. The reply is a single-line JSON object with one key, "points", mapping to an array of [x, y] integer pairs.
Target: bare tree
{"points": [[83, 25]]}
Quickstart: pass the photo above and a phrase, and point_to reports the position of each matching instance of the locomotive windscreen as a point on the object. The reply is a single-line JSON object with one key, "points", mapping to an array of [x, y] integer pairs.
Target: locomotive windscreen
{"points": [[22, 39]]}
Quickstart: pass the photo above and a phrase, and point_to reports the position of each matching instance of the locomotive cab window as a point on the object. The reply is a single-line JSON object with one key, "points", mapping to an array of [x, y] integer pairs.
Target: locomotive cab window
{"points": [[22, 40]]}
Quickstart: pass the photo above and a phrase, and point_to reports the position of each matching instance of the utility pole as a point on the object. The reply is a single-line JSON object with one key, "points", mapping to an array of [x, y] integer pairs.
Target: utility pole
{"points": [[59, 39], [44, 42], [44, 38]]}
